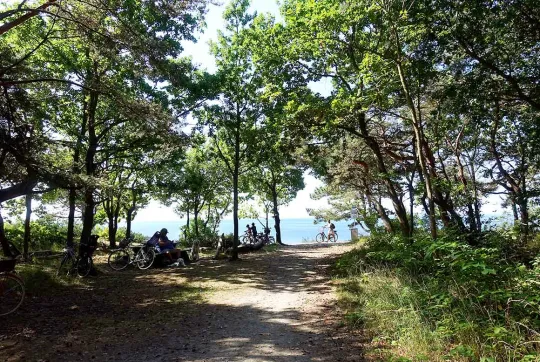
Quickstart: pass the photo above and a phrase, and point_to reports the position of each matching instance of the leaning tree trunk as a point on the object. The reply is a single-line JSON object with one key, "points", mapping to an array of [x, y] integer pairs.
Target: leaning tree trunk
{"points": [[27, 226]]}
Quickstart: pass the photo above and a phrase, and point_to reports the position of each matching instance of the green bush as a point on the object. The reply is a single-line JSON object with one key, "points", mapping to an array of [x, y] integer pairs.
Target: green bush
{"points": [[444, 298], [206, 236], [45, 233], [103, 233]]}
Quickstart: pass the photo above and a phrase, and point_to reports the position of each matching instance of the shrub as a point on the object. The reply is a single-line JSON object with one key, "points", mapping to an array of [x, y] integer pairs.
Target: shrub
{"points": [[45, 233], [444, 298]]}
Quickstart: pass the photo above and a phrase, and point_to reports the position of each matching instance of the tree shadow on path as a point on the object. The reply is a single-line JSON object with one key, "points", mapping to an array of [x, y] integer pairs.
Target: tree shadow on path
{"points": [[267, 307]]}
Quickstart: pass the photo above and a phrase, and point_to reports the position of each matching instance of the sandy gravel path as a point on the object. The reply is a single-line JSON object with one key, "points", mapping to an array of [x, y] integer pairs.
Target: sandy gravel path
{"points": [[277, 306]]}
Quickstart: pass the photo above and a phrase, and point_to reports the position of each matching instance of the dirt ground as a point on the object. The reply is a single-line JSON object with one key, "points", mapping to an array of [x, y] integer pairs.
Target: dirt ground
{"points": [[269, 306]]}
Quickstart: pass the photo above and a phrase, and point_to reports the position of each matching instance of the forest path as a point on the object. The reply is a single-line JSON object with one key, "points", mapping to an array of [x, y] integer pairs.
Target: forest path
{"points": [[275, 306]]}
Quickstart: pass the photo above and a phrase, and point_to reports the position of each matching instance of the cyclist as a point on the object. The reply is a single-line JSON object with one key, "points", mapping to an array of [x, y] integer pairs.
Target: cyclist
{"points": [[166, 246], [331, 227]]}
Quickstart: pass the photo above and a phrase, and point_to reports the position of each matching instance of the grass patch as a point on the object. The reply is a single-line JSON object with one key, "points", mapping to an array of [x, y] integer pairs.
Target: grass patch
{"points": [[271, 248], [40, 278], [188, 295]]}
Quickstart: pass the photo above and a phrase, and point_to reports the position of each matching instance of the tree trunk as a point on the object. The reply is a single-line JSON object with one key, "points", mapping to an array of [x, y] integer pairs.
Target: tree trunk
{"points": [[3, 240], [129, 217], [75, 169], [234, 255], [88, 215], [112, 231], [399, 208], [26, 241], [186, 231], [71, 217], [17, 190], [196, 220], [277, 220]]}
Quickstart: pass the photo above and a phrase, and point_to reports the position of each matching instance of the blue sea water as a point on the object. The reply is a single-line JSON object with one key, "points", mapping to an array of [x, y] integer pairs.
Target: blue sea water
{"points": [[293, 231]]}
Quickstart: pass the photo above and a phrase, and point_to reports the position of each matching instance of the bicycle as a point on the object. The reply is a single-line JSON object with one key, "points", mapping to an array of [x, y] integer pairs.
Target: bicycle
{"points": [[12, 289], [120, 258], [321, 236], [70, 263], [266, 238], [246, 238]]}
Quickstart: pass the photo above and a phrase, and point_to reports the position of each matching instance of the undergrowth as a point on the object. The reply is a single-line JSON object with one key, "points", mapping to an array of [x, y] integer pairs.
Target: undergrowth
{"points": [[443, 300]]}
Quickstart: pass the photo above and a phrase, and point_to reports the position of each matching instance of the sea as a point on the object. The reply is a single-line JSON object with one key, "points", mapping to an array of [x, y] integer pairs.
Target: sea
{"points": [[293, 231]]}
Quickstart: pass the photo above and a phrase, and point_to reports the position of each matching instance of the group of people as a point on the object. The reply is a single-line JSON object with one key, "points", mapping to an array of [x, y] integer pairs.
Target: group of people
{"points": [[252, 231]]}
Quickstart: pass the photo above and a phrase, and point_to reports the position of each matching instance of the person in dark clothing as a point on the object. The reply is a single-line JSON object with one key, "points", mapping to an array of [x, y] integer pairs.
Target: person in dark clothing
{"points": [[167, 246], [253, 231]]}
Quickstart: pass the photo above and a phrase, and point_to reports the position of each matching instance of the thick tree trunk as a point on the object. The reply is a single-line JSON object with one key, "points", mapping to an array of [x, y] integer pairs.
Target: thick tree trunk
{"points": [[22, 188], [88, 215], [71, 217], [76, 170], [129, 218], [113, 228], [3, 239], [26, 241]]}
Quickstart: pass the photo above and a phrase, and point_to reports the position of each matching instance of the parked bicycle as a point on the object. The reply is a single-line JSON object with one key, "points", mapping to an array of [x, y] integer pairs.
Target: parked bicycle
{"points": [[266, 238], [11, 288], [81, 264], [142, 256], [322, 237]]}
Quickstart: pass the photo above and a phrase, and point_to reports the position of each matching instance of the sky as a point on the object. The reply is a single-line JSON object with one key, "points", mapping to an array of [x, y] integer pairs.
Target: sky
{"points": [[200, 52]]}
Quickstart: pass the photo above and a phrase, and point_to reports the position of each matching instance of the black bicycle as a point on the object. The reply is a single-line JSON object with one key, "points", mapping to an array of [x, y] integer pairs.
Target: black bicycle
{"points": [[72, 264], [81, 264]]}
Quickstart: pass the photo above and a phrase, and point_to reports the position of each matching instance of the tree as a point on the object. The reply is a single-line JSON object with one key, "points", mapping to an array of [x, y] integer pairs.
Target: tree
{"points": [[232, 120]]}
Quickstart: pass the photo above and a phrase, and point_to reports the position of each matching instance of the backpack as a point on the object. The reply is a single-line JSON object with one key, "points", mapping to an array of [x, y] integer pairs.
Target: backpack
{"points": [[154, 239], [332, 226]]}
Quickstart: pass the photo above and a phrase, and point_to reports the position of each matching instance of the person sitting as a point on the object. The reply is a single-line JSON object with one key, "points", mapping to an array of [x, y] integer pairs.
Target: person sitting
{"points": [[166, 246]]}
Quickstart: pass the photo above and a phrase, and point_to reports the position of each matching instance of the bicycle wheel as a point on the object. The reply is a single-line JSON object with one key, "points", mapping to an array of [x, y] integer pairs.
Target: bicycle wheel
{"points": [[271, 240], [118, 259], [65, 265], [84, 265], [11, 293], [319, 238], [145, 259]]}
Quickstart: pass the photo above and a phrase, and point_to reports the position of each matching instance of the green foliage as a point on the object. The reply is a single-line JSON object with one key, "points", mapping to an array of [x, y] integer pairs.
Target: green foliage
{"points": [[205, 235], [103, 233], [443, 298], [46, 233]]}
